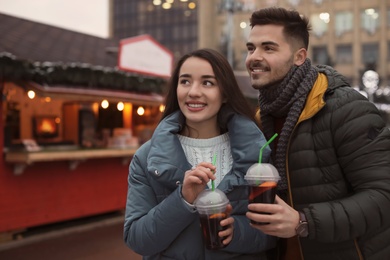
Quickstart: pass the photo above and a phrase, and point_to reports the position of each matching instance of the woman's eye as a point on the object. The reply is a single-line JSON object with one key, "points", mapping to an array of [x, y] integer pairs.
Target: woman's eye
{"points": [[184, 82], [208, 83]]}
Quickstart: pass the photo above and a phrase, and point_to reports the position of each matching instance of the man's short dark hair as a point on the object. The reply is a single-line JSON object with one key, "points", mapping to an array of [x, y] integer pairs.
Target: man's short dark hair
{"points": [[295, 26]]}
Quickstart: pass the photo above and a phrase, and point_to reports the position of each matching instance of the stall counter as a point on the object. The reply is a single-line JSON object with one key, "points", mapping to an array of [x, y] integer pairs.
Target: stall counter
{"points": [[22, 158]]}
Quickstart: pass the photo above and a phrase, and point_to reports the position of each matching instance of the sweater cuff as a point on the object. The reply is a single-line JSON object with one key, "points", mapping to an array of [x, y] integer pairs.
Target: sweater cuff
{"points": [[188, 205]]}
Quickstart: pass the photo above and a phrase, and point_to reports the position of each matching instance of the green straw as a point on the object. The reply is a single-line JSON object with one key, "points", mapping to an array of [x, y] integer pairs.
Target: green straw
{"points": [[212, 181], [266, 144]]}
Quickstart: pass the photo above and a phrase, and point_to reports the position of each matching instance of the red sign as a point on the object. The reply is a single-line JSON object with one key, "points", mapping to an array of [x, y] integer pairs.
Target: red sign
{"points": [[143, 54]]}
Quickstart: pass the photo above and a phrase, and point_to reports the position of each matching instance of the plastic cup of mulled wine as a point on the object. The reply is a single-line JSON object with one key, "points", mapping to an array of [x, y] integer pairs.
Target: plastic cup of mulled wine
{"points": [[262, 179], [211, 206]]}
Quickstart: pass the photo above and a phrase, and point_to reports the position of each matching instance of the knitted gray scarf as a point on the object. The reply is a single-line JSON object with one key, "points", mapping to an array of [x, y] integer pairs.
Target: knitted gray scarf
{"points": [[285, 100]]}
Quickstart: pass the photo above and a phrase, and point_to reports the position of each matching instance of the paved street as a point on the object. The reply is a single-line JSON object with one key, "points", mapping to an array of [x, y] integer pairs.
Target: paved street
{"points": [[98, 238]]}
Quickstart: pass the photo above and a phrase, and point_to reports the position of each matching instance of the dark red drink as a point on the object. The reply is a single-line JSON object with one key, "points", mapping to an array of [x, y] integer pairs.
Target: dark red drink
{"points": [[210, 228], [264, 193]]}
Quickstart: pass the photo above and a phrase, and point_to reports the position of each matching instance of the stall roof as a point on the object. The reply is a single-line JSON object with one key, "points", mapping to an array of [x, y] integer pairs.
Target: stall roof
{"points": [[40, 42], [60, 58]]}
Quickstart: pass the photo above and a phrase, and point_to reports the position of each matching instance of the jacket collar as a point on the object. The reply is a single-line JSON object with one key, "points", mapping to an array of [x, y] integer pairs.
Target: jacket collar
{"points": [[315, 100], [167, 162]]}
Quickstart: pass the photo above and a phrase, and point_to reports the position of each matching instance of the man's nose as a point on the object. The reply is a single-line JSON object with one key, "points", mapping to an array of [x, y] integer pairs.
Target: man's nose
{"points": [[256, 55], [253, 58]]}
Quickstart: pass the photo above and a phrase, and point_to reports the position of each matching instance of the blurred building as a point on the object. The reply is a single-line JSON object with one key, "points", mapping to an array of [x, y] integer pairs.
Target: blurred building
{"points": [[351, 35], [172, 23]]}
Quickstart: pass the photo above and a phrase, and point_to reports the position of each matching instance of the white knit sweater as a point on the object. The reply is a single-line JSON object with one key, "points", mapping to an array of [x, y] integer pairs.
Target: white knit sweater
{"points": [[203, 150]]}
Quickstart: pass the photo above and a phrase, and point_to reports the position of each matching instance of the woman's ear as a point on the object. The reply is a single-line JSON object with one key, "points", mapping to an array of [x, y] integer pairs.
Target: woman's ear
{"points": [[300, 56]]}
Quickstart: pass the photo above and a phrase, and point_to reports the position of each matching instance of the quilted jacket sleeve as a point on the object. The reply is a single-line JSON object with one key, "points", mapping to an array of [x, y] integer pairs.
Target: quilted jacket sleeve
{"points": [[146, 219], [361, 144]]}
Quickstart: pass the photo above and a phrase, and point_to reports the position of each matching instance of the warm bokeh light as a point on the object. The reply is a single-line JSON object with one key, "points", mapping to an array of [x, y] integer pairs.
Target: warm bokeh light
{"points": [[104, 104], [161, 108], [325, 17], [166, 5], [192, 5], [140, 111], [47, 99], [95, 108], [31, 94], [243, 25], [47, 126], [369, 11], [120, 106]]}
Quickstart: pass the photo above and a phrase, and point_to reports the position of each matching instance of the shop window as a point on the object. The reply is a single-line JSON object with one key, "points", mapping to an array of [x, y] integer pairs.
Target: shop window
{"points": [[46, 127], [344, 54], [110, 118], [388, 18], [370, 20], [87, 128], [12, 123], [343, 22], [318, 2], [319, 22], [370, 53], [320, 55], [145, 119], [388, 51], [146, 115], [294, 3]]}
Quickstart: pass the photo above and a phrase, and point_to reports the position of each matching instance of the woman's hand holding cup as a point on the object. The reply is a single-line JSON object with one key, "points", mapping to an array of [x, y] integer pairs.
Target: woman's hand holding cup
{"points": [[196, 179]]}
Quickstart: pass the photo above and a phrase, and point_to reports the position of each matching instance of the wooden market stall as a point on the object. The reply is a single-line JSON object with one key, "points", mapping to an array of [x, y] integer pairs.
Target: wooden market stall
{"points": [[71, 119], [66, 143]]}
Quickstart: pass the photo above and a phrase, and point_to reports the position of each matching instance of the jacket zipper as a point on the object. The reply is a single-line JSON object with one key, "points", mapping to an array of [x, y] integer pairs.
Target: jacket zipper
{"points": [[288, 172], [289, 186]]}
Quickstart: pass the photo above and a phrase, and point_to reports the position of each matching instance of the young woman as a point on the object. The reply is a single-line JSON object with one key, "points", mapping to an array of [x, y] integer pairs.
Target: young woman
{"points": [[205, 114]]}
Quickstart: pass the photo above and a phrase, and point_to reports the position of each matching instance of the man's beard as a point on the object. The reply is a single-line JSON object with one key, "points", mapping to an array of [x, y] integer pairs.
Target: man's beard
{"points": [[281, 73], [269, 85]]}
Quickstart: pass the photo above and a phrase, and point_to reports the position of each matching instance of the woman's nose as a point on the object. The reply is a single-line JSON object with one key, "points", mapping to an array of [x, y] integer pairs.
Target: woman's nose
{"points": [[195, 90]]}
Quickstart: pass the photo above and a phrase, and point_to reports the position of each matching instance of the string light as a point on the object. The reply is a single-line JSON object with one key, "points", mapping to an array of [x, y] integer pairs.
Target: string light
{"points": [[161, 108], [140, 111], [104, 104], [167, 4], [31, 94], [120, 106], [191, 5]]}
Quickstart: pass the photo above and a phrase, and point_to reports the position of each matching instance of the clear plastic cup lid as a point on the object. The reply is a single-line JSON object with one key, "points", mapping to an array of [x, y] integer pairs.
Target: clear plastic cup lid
{"points": [[262, 172], [211, 200]]}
